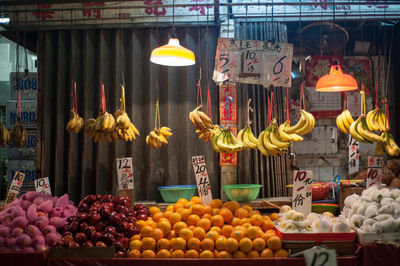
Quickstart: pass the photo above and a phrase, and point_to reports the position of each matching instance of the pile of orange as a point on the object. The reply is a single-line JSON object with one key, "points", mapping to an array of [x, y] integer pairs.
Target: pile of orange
{"points": [[188, 229]]}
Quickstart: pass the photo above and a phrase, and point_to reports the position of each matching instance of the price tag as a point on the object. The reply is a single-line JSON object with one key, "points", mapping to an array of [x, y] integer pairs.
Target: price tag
{"points": [[15, 187], [302, 191], [203, 183], [374, 170], [42, 185], [320, 257], [354, 155], [125, 174]]}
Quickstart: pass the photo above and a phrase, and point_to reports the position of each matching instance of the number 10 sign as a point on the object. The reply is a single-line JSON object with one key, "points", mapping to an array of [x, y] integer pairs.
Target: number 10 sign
{"points": [[203, 183]]}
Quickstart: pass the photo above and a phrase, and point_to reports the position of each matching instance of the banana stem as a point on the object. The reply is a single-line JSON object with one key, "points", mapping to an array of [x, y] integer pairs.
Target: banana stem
{"points": [[122, 98]]}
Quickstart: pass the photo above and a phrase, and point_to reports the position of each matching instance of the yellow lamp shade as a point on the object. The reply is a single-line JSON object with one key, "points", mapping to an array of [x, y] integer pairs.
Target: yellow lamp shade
{"points": [[336, 81], [172, 54]]}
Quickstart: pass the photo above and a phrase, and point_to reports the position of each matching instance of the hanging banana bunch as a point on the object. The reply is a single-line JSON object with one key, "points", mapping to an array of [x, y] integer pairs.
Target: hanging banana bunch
{"points": [[270, 141], [344, 121], [159, 135], [225, 142], [4, 135], [203, 124], [18, 134], [303, 126], [247, 138], [76, 124]]}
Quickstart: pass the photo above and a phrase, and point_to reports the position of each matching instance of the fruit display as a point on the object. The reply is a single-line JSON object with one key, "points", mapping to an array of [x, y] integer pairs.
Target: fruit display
{"points": [[103, 220], [18, 134], [304, 126], [247, 137], [158, 136], [344, 121], [76, 124], [102, 128], [188, 229], [226, 142], [30, 223], [203, 124], [4, 135]]}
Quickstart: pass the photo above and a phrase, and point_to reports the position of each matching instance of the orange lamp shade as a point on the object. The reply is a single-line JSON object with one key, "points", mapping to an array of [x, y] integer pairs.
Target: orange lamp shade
{"points": [[172, 54], [336, 81]]}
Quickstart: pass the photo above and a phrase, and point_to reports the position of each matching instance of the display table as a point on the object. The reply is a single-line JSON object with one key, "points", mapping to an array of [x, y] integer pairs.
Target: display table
{"points": [[22, 259], [377, 255], [343, 261]]}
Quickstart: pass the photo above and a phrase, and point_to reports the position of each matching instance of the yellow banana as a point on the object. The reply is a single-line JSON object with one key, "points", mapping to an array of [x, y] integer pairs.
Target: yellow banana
{"points": [[353, 132], [214, 143], [261, 146], [246, 139], [297, 126], [240, 135], [339, 124], [306, 126], [371, 122], [267, 142], [275, 139], [206, 120], [366, 134], [349, 118]]}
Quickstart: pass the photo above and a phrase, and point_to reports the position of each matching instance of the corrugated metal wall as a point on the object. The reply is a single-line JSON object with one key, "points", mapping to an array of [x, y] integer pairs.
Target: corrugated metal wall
{"points": [[271, 172], [73, 162]]}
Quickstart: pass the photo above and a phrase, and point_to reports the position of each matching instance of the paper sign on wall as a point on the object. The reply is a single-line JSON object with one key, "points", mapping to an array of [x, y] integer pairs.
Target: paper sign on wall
{"points": [[202, 181], [354, 155], [125, 173], [302, 191], [320, 256], [374, 170], [15, 187], [42, 185]]}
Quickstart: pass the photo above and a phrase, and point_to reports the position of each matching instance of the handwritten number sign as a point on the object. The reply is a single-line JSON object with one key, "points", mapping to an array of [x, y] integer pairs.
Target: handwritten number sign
{"points": [[125, 173], [15, 187], [374, 170], [354, 156], [302, 191], [320, 257], [202, 181], [42, 185]]}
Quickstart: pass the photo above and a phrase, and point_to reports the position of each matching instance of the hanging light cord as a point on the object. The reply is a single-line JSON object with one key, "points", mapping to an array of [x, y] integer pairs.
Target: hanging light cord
{"points": [[173, 19]]}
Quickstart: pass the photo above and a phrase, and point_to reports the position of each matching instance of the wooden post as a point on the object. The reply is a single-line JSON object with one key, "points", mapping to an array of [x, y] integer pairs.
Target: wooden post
{"points": [[129, 193]]}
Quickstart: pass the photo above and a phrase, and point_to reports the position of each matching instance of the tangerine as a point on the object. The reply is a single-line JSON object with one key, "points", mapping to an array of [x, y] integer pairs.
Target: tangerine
{"points": [[237, 234], [140, 223], [239, 255], [185, 214], [148, 243], [231, 205], [245, 244], [196, 199], [191, 253], [207, 215], [268, 225], [134, 253], [216, 229], [175, 217], [206, 254], [253, 254], [163, 243], [199, 233], [253, 232], [207, 243], [267, 253], [226, 214], [274, 243], [254, 212], [246, 220], [167, 214], [256, 219], [193, 219], [165, 226], [178, 243], [153, 210], [178, 226], [171, 235], [198, 209], [157, 234], [178, 205], [163, 253], [236, 221], [189, 204], [170, 208], [208, 209], [194, 243], [178, 254], [216, 203], [146, 230], [217, 220], [223, 255], [157, 216], [186, 233], [220, 243], [135, 237], [281, 253], [248, 208], [213, 235], [215, 211], [259, 244], [241, 213], [135, 244], [273, 216], [204, 223], [227, 230], [182, 200], [231, 245], [148, 254]]}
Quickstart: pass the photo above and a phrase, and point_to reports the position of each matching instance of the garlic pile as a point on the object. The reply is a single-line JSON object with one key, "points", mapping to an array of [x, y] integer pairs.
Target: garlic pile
{"points": [[377, 210]]}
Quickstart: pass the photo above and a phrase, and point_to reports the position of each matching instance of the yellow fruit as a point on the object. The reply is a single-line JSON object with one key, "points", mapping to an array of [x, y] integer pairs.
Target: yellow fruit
{"points": [[227, 230], [198, 209], [239, 255], [186, 234], [217, 220], [268, 225], [274, 216], [226, 214], [238, 234], [174, 218], [259, 244], [185, 214], [139, 224], [216, 203], [191, 253], [231, 245], [196, 199], [194, 243], [157, 234], [178, 254], [178, 227], [182, 200], [216, 229], [212, 235], [163, 253], [178, 243], [267, 253], [245, 244], [170, 208], [207, 243], [163, 243], [157, 216], [253, 232], [148, 243], [220, 243], [134, 253], [236, 221], [274, 243], [177, 206], [257, 219], [253, 254], [241, 213], [206, 254], [204, 223], [223, 255], [199, 233], [193, 219], [146, 231], [153, 210], [148, 254], [135, 244], [165, 226]]}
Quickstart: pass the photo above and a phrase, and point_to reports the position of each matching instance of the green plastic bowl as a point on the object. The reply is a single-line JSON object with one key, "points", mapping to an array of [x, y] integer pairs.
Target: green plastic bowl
{"points": [[242, 192], [171, 194], [321, 208]]}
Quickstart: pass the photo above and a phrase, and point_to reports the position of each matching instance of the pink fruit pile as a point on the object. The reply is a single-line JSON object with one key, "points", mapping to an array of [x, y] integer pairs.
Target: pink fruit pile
{"points": [[30, 223], [102, 220]]}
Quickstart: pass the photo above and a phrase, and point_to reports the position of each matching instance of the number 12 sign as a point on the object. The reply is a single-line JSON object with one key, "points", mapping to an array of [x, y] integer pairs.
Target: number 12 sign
{"points": [[125, 174], [203, 183]]}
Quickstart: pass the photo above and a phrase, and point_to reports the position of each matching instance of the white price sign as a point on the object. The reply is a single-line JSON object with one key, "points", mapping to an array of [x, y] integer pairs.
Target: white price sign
{"points": [[374, 170], [125, 173], [42, 185], [354, 155], [202, 181], [15, 187], [302, 191], [320, 257]]}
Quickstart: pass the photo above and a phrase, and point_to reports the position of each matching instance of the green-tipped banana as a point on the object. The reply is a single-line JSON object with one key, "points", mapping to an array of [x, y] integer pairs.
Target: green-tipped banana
{"points": [[261, 146], [353, 132], [364, 132]]}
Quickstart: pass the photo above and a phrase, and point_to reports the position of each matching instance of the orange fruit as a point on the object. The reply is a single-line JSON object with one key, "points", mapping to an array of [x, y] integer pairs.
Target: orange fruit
{"points": [[198, 209], [208, 209], [191, 253], [236, 221], [226, 214], [227, 230], [182, 200], [206, 215], [153, 210], [157, 234], [241, 213], [266, 217], [178, 226], [256, 219], [216, 229], [259, 244], [267, 253], [148, 254], [139, 224], [199, 233], [245, 244], [213, 235], [206, 254], [178, 243], [196, 199], [134, 253], [231, 205], [167, 214], [146, 230], [281, 253], [274, 216], [223, 255], [163, 243], [170, 208], [185, 214], [136, 244], [163, 253], [207, 243], [217, 220], [239, 255], [247, 208], [135, 237], [178, 205], [267, 225], [246, 220], [165, 226], [253, 254], [204, 223], [253, 232], [178, 254], [148, 243], [191, 227], [157, 216], [246, 225], [220, 243], [231, 245], [238, 234], [274, 243], [171, 235], [186, 233], [215, 211], [151, 223], [194, 243], [251, 213], [216, 203], [269, 233], [189, 204], [174, 218], [193, 219]]}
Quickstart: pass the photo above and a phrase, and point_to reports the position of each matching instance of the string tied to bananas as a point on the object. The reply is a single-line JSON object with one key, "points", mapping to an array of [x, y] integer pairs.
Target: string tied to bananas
{"points": [[122, 100], [75, 102], [385, 103], [157, 120], [362, 92], [208, 111], [103, 99], [249, 109], [287, 105]]}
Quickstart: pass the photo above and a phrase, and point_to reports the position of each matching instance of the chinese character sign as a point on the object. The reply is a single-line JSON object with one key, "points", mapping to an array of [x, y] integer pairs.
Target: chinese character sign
{"points": [[354, 156], [253, 62], [42, 185], [302, 191], [125, 173], [15, 187], [229, 159], [202, 181], [227, 104], [374, 170]]}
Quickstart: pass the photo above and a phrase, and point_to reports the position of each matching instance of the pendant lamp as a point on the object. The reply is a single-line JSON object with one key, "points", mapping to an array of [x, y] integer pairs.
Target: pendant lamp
{"points": [[172, 54], [336, 81]]}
